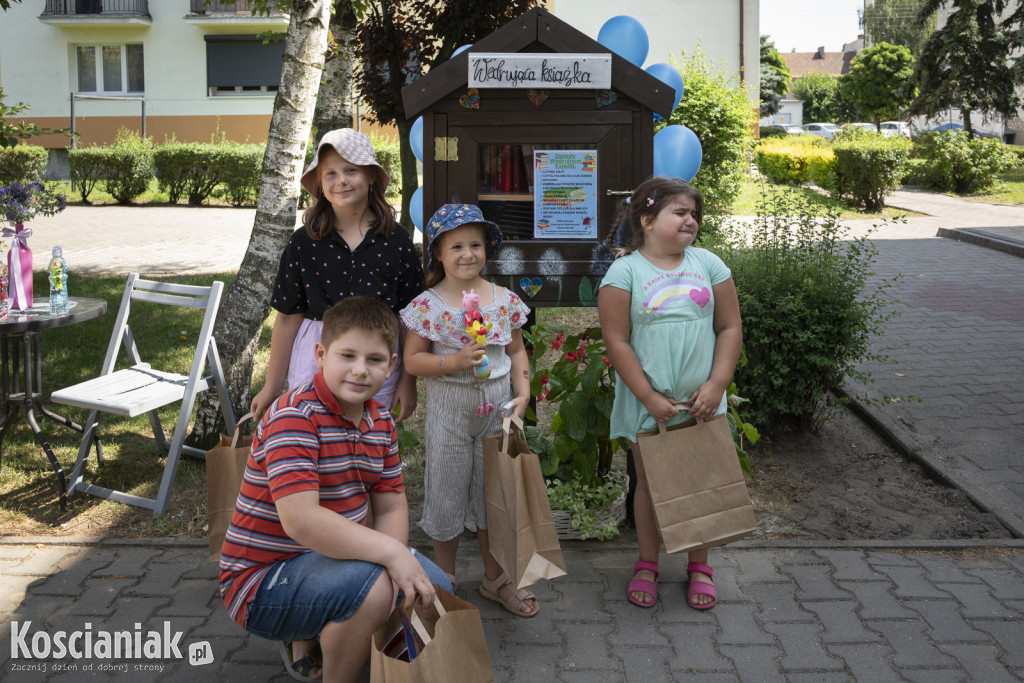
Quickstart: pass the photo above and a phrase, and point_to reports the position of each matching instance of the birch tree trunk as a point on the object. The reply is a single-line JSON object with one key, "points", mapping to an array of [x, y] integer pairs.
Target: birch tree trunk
{"points": [[247, 302], [334, 101]]}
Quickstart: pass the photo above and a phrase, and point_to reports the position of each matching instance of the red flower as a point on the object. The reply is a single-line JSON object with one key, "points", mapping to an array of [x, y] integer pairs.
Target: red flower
{"points": [[543, 379], [572, 357], [559, 341], [607, 362]]}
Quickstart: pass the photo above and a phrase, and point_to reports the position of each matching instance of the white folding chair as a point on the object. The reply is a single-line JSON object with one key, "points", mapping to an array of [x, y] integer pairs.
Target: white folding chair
{"points": [[142, 389]]}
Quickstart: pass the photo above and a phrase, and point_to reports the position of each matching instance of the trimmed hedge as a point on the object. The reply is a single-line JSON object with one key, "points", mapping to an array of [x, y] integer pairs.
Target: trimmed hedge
{"points": [[87, 166], [791, 161], [773, 132], [389, 155], [128, 166], [195, 170], [953, 163], [866, 169], [23, 163]]}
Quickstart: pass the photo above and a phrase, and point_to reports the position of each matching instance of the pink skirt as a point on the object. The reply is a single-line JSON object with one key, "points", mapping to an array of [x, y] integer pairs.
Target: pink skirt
{"points": [[302, 366]]}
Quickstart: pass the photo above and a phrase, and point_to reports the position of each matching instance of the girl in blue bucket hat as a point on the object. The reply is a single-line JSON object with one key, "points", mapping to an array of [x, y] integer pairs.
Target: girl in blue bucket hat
{"points": [[460, 407]]}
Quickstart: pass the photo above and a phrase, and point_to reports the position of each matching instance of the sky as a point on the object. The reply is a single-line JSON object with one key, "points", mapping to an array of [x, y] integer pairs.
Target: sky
{"points": [[808, 24]]}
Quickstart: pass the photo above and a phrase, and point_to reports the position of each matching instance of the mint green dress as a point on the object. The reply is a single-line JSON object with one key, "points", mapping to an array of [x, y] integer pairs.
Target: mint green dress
{"points": [[671, 329]]}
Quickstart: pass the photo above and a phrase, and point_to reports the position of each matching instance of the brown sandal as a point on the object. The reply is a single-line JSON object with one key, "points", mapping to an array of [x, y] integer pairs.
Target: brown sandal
{"points": [[514, 602]]}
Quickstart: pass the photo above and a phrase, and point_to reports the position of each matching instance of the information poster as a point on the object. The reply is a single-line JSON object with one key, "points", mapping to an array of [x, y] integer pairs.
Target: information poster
{"points": [[565, 194]]}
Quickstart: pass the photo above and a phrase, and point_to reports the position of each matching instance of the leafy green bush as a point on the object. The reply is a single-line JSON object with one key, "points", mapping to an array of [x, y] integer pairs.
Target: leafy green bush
{"points": [[127, 166], [24, 163], [867, 169], [389, 155], [243, 167], [808, 314], [717, 110], [954, 163], [87, 166], [773, 132], [791, 161]]}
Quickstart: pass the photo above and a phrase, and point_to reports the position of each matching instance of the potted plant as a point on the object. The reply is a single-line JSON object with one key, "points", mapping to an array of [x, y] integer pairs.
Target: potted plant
{"points": [[575, 449]]}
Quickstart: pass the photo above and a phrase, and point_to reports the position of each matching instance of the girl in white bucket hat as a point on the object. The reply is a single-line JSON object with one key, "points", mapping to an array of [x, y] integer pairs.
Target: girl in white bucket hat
{"points": [[350, 244]]}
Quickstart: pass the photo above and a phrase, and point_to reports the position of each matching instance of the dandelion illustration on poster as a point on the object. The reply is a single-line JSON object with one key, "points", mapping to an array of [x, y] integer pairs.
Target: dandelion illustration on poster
{"points": [[565, 194]]}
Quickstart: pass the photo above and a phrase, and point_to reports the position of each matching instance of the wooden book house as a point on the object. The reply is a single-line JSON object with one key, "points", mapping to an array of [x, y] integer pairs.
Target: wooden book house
{"points": [[546, 130]]}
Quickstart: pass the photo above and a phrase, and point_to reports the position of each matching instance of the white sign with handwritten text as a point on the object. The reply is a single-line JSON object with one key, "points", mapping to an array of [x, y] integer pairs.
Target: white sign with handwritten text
{"points": [[540, 70]]}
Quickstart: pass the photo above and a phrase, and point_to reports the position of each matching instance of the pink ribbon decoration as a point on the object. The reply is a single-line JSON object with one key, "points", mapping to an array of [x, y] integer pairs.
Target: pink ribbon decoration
{"points": [[19, 262]]}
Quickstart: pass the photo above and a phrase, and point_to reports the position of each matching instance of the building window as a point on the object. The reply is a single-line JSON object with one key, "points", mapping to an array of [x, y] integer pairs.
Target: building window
{"points": [[110, 69], [242, 65]]}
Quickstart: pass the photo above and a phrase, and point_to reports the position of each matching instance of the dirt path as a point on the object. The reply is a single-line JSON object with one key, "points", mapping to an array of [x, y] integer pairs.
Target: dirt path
{"points": [[845, 482]]}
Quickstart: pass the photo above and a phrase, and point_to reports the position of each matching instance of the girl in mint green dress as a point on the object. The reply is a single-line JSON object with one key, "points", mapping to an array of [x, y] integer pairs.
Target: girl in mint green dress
{"points": [[671, 322]]}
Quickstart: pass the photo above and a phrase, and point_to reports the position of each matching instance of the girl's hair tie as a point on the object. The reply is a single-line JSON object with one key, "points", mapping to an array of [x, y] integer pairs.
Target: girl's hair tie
{"points": [[627, 200], [650, 201]]}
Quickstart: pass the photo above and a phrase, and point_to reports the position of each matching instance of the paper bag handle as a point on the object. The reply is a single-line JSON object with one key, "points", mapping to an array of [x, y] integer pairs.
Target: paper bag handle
{"points": [[238, 428], [682, 404], [506, 423], [417, 624]]}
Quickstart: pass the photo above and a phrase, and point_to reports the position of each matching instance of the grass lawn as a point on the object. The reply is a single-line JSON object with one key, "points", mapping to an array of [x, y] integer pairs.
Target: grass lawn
{"points": [[750, 195], [1009, 189], [132, 461]]}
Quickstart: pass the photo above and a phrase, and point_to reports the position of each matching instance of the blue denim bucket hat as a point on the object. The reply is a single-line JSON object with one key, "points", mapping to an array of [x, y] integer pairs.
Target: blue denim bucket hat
{"points": [[451, 216]]}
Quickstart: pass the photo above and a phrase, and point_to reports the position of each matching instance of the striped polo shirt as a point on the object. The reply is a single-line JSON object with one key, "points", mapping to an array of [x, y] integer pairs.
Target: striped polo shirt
{"points": [[305, 442]]}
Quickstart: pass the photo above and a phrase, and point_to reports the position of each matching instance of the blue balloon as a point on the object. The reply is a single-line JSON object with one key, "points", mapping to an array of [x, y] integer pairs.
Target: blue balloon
{"points": [[416, 208], [677, 153], [461, 48], [670, 76], [416, 138], [626, 37]]}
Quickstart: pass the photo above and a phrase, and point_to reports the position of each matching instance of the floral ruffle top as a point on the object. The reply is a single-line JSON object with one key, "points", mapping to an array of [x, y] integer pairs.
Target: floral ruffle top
{"points": [[430, 316]]}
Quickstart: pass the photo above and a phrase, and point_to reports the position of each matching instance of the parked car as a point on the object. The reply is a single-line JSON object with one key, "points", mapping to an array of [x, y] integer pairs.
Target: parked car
{"points": [[825, 130], [865, 126], [791, 129], [893, 128], [959, 126]]}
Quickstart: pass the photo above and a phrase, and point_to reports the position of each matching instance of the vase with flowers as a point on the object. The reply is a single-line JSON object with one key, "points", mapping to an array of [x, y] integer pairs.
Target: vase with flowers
{"points": [[575, 448], [19, 203]]}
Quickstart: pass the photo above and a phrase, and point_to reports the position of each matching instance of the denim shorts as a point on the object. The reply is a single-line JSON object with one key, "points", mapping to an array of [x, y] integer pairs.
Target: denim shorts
{"points": [[301, 594]]}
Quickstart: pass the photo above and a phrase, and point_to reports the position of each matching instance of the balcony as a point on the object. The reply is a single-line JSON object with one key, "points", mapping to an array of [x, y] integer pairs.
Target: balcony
{"points": [[221, 12], [73, 13]]}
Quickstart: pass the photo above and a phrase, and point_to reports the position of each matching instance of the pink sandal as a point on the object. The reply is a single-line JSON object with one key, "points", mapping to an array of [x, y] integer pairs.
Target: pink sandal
{"points": [[643, 585], [701, 587]]}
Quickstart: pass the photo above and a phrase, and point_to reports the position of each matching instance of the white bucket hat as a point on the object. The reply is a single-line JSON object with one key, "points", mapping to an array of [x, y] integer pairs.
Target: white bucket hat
{"points": [[355, 148]]}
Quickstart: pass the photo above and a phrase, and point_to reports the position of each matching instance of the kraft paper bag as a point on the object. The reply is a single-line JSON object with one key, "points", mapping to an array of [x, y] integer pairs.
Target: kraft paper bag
{"points": [[697, 487], [225, 467], [441, 644], [520, 529]]}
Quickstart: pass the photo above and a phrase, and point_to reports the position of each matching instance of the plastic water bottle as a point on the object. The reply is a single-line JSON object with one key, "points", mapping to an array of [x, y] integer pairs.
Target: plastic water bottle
{"points": [[58, 283]]}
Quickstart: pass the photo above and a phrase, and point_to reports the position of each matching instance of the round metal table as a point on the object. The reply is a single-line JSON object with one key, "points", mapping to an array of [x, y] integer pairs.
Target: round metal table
{"points": [[22, 375]]}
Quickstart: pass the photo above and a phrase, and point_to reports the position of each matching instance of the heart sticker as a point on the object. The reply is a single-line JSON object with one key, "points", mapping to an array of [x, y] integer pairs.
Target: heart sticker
{"points": [[531, 286], [700, 297], [538, 96], [606, 97], [471, 100]]}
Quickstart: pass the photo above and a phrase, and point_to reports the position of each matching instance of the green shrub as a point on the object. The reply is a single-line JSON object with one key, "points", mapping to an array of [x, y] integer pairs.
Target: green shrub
{"points": [[773, 132], [867, 169], [954, 163], [808, 314], [389, 155], [716, 108], [88, 167], [791, 161], [190, 169], [23, 163], [242, 170], [128, 166]]}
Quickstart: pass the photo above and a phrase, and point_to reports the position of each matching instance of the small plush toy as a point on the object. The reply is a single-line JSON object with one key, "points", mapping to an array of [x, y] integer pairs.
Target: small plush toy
{"points": [[477, 328]]}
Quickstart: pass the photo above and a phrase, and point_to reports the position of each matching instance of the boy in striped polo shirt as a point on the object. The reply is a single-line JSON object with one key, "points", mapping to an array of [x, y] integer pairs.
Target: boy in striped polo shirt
{"points": [[299, 562]]}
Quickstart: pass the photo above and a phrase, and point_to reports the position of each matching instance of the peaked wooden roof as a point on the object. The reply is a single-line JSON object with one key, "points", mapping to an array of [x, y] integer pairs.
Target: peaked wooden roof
{"points": [[535, 31]]}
